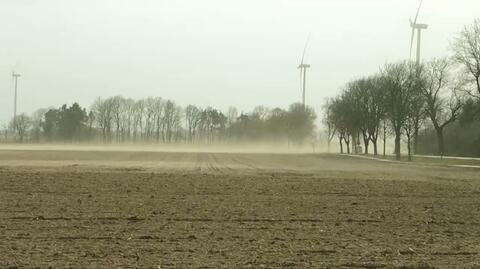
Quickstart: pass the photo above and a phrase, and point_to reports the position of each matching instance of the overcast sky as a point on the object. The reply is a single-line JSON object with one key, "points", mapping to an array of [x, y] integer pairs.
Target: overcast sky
{"points": [[220, 53]]}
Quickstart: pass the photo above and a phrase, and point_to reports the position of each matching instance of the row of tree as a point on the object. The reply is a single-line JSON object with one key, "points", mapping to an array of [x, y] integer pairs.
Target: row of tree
{"points": [[155, 120], [405, 97]]}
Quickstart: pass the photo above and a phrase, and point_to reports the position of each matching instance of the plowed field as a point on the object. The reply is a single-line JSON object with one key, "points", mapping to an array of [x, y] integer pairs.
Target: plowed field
{"points": [[113, 209]]}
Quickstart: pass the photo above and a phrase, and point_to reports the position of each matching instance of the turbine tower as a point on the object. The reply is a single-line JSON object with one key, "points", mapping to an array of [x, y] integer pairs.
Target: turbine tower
{"points": [[417, 27], [15, 77], [303, 72]]}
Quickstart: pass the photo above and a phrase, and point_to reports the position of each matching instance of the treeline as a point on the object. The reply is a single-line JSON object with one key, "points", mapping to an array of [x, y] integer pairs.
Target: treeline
{"points": [[415, 103], [156, 120]]}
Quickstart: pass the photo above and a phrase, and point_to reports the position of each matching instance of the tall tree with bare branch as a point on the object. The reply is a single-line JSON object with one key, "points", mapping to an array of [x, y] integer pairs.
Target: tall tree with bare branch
{"points": [[443, 100], [466, 48]]}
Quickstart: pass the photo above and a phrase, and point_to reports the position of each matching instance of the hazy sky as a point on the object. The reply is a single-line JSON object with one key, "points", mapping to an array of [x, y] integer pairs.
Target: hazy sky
{"points": [[209, 52]]}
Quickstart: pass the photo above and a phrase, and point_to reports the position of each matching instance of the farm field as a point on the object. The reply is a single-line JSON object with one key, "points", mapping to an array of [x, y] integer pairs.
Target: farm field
{"points": [[137, 209]]}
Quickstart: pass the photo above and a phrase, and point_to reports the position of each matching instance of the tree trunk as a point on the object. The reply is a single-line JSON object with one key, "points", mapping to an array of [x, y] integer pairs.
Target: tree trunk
{"points": [[353, 141], [478, 84], [158, 130], [104, 135], [375, 146], [384, 140], [366, 143], [341, 145], [415, 139], [397, 144], [409, 147], [441, 141]]}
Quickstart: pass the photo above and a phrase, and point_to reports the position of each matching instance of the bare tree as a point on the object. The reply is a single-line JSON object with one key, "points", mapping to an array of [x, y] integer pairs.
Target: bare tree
{"points": [[376, 108], [400, 81], [150, 118], [37, 120], [126, 119], [20, 125], [90, 124], [443, 103], [260, 112], [138, 109], [205, 125], [351, 121], [192, 118], [232, 115], [4, 130], [171, 119], [344, 119], [102, 111], [466, 48], [117, 105], [329, 120], [178, 130], [368, 100], [358, 90], [415, 113], [158, 109]]}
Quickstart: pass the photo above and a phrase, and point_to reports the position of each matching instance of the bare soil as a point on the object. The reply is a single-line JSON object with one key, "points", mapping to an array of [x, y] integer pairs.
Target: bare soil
{"points": [[113, 209]]}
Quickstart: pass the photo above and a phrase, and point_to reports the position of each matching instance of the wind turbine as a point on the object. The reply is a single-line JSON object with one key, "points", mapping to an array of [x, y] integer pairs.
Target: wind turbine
{"points": [[15, 77], [303, 72], [417, 27]]}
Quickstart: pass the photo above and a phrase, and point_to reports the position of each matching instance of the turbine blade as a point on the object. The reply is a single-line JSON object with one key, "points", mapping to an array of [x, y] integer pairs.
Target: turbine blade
{"points": [[305, 48], [411, 42], [418, 12]]}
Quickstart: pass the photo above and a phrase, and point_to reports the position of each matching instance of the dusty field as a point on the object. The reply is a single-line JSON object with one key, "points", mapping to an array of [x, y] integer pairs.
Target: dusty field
{"points": [[111, 209]]}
